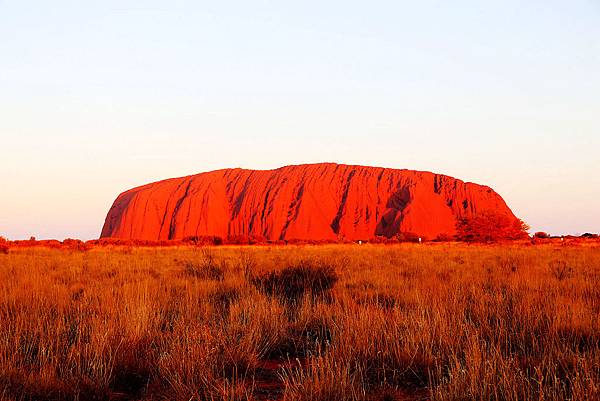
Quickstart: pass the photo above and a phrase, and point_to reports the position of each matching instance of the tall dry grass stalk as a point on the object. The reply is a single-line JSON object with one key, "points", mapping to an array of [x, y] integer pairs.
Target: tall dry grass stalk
{"points": [[442, 322]]}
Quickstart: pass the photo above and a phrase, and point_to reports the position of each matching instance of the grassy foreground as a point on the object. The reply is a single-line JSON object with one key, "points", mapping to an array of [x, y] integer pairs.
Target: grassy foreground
{"points": [[338, 322]]}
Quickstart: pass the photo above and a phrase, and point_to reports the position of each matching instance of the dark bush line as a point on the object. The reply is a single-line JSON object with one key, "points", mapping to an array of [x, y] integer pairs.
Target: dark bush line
{"points": [[479, 229], [292, 283]]}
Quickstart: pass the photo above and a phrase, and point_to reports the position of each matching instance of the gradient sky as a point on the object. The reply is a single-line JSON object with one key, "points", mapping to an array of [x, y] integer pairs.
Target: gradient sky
{"points": [[98, 97]]}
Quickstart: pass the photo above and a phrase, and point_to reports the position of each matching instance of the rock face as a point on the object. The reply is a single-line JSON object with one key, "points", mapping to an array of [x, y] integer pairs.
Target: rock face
{"points": [[311, 202]]}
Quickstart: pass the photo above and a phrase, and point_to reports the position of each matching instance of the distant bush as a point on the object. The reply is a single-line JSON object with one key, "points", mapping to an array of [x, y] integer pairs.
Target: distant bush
{"points": [[243, 239], [293, 282], [444, 238], [3, 245], [541, 235], [379, 239], [202, 240], [490, 227], [407, 237], [396, 239], [75, 244]]}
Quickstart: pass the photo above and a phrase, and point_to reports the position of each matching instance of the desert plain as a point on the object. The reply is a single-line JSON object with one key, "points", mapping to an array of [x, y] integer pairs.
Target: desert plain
{"points": [[432, 321]]}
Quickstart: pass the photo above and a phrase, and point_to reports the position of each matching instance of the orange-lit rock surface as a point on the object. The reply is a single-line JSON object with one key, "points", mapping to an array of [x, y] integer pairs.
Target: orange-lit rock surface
{"points": [[312, 202]]}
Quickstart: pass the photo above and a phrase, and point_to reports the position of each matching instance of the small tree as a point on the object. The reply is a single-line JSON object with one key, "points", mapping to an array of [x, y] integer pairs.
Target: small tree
{"points": [[490, 227], [3, 245]]}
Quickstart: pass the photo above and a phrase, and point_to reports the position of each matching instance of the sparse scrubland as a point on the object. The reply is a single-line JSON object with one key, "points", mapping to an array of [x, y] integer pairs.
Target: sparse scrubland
{"points": [[333, 322]]}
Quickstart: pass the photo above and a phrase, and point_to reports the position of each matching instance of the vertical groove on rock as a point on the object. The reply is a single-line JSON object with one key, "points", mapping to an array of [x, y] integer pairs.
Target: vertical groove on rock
{"points": [[293, 210], [172, 226], [335, 224]]}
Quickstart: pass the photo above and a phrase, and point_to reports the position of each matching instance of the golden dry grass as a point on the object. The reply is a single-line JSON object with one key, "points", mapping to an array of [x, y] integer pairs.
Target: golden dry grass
{"points": [[439, 322]]}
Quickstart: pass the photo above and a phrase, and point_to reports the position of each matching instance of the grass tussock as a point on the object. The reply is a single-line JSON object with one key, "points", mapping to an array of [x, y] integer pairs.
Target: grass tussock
{"points": [[440, 322]]}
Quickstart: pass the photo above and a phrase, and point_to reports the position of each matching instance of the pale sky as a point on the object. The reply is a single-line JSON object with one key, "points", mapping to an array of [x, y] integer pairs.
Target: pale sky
{"points": [[98, 97]]}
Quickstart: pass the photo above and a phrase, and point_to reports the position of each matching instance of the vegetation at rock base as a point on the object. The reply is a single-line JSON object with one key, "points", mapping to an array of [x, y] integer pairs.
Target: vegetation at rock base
{"points": [[490, 227]]}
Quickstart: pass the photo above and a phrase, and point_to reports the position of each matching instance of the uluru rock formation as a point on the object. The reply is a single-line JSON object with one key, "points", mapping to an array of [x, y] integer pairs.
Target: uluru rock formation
{"points": [[323, 201]]}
